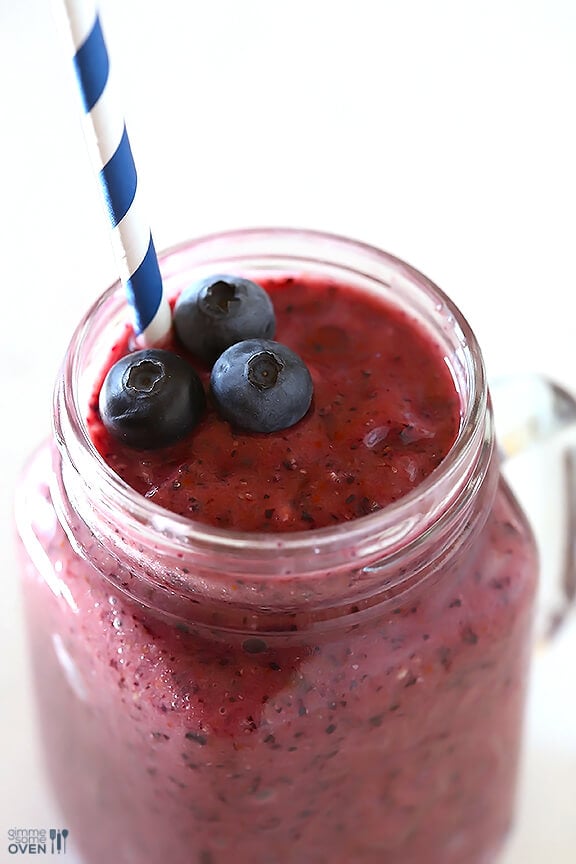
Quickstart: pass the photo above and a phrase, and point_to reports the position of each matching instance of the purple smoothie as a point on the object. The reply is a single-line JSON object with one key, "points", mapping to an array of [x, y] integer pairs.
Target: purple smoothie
{"points": [[343, 684], [385, 414]]}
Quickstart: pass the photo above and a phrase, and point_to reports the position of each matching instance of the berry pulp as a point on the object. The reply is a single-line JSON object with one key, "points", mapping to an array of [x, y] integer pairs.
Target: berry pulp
{"points": [[385, 414]]}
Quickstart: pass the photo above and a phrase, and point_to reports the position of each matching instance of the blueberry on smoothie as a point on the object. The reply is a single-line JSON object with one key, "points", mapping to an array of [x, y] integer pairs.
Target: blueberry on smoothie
{"points": [[261, 386], [151, 398], [216, 312]]}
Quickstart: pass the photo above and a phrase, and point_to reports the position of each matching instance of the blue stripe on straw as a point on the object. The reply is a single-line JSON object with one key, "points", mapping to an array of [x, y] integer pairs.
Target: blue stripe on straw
{"points": [[92, 66], [119, 181], [144, 288]]}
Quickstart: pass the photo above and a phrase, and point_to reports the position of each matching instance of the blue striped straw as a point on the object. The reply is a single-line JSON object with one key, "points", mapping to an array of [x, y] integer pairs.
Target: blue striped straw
{"points": [[107, 138]]}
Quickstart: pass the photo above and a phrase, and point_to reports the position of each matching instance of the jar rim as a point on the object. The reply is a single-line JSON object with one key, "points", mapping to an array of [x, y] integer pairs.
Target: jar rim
{"points": [[395, 524]]}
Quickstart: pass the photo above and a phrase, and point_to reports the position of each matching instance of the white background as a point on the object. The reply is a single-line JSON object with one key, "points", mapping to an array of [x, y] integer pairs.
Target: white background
{"points": [[441, 131]]}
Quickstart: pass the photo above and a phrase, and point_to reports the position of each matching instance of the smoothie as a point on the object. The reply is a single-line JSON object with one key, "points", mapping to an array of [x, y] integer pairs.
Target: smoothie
{"points": [[354, 703], [385, 414]]}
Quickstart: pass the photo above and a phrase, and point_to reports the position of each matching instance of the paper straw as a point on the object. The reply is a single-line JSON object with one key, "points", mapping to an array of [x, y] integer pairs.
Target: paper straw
{"points": [[107, 138]]}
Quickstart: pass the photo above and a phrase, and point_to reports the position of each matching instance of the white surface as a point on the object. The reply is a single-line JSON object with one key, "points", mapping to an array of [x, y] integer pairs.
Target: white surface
{"points": [[441, 131]]}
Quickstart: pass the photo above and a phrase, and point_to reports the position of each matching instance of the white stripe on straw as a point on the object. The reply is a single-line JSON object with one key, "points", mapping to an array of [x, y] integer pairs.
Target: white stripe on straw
{"points": [[108, 141]]}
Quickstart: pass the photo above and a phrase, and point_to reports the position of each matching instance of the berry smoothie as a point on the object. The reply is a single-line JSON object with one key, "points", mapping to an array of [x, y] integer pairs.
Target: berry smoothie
{"points": [[299, 647], [385, 414]]}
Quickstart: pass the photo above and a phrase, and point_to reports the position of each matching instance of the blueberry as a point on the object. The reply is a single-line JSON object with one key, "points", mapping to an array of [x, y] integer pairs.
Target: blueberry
{"points": [[151, 398], [261, 386], [219, 311]]}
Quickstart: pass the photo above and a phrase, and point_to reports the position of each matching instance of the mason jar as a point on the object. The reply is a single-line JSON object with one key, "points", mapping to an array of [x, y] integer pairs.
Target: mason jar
{"points": [[345, 695]]}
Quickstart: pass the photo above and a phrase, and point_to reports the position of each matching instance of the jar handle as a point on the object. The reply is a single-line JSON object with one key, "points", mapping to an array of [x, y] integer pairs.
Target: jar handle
{"points": [[536, 430]]}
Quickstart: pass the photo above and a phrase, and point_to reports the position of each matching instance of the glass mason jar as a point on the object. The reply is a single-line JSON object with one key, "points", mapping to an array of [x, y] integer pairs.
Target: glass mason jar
{"points": [[351, 695]]}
